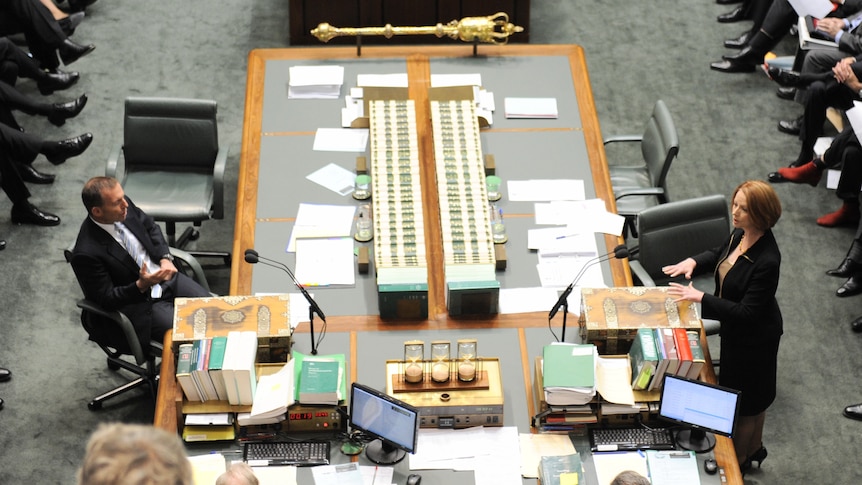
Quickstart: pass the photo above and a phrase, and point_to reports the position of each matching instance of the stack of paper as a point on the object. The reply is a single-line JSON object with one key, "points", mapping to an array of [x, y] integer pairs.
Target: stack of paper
{"points": [[569, 373], [531, 108], [315, 82], [274, 394]]}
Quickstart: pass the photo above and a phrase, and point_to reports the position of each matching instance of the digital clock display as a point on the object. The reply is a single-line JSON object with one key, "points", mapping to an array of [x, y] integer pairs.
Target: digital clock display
{"points": [[300, 416]]}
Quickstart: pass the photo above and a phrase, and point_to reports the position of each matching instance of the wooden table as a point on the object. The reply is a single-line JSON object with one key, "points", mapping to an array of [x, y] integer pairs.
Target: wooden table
{"points": [[418, 66]]}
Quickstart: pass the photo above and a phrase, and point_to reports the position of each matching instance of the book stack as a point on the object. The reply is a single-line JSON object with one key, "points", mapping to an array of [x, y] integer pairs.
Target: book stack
{"points": [[320, 379], [569, 374], [219, 368], [660, 351]]}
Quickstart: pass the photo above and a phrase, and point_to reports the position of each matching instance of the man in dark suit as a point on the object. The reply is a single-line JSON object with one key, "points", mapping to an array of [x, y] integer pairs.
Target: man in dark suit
{"points": [[110, 276]]}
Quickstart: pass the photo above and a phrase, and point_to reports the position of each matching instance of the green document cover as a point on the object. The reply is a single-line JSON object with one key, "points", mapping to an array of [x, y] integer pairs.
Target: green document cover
{"points": [[320, 378], [561, 470], [569, 365]]}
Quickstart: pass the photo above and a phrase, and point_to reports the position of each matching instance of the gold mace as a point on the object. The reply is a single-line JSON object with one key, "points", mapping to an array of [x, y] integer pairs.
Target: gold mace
{"points": [[493, 29]]}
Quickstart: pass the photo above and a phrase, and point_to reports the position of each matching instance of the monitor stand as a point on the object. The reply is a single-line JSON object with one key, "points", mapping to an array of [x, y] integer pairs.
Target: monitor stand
{"points": [[383, 453], [696, 440]]}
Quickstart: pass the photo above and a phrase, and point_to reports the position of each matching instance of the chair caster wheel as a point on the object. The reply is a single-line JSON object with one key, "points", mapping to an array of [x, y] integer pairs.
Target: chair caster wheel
{"points": [[113, 365], [194, 235], [94, 406]]}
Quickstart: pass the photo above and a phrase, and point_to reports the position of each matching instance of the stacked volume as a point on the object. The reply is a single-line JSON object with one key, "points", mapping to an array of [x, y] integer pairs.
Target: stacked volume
{"points": [[659, 351]]}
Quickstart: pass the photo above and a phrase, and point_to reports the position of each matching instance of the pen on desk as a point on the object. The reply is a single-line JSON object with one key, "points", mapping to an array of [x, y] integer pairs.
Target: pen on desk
{"points": [[566, 236]]}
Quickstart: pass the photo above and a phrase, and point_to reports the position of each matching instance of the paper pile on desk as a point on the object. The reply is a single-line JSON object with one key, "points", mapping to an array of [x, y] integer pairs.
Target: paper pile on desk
{"points": [[315, 82], [569, 373]]}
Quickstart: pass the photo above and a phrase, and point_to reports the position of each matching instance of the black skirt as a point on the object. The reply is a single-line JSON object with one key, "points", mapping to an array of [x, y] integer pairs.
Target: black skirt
{"points": [[752, 369]]}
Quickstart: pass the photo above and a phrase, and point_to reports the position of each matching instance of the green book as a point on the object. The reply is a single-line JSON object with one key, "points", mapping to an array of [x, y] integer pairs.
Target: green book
{"points": [[184, 373], [569, 365], [321, 379], [697, 358], [217, 348], [561, 470], [644, 358]]}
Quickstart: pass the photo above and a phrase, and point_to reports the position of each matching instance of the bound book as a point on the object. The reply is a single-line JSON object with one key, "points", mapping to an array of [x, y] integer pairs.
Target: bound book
{"points": [[184, 373], [319, 381], [684, 351], [666, 351], [569, 373], [218, 345], [238, 369], [200, 370], [644, 359], [561, 470], [697, 358], [811, 38]]}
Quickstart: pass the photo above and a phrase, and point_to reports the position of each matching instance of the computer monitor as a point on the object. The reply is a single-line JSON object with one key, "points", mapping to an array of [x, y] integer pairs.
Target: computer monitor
{"points": [[704, 409], [394, 424]]}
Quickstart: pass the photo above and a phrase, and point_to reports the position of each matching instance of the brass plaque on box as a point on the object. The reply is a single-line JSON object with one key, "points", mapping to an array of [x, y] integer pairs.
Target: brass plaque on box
{"points": [[268, 316], [611, 317]]}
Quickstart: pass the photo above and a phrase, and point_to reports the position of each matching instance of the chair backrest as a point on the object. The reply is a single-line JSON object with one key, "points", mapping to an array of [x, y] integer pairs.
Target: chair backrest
{"points": [[660, 144], [670, 232], [167, 133]]}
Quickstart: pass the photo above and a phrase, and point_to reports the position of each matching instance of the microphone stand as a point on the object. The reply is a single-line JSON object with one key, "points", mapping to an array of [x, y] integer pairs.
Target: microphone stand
{"points": [[620, 252], [252, 257]]}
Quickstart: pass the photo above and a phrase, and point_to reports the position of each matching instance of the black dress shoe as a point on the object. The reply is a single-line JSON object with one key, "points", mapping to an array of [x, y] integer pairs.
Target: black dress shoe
{"points": [[776, 178], [1, 403], [786, 93], [30, 174], [784, 77], [70, 23], [791, 127], [2, 244], [5, 374], [853, 286], [57, 81], [739, 42], [71, 52], [735, 15], [854, 411], [845, 269], [62, 150], [60, 112], [731, 66], [27, 213], [727, 2]]}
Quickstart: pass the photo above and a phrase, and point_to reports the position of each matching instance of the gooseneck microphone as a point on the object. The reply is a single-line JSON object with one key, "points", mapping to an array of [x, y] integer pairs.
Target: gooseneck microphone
{"points": [[619, 252], [252, 257]]}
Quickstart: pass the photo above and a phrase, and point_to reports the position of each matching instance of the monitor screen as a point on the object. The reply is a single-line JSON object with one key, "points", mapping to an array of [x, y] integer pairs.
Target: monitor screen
{"points": [[394, 424], [700, 406]]}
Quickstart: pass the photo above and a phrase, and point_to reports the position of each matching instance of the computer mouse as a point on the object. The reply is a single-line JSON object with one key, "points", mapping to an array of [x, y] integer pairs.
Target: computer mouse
{"points": [[414, 479], [710, 466]]}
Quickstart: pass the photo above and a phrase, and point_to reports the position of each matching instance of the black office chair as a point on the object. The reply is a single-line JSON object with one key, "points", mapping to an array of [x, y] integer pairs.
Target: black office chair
{"points": [[643, 183], [173, 165], [670, 232], [114, 333]]}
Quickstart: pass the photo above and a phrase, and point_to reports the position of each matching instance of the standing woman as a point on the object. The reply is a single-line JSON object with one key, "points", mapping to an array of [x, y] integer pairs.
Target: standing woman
{"points": [[746, 271]]}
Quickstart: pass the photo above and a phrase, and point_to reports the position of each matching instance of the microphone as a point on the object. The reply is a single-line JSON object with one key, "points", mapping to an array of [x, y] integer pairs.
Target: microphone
{"points": [[252, 257], [619, 252]]}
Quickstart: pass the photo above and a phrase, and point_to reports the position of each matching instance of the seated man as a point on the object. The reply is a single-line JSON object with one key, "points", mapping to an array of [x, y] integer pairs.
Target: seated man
{"points": [[845, 151], [122, 261]]}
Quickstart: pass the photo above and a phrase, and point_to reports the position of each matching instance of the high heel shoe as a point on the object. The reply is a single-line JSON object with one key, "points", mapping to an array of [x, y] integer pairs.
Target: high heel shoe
{"points": [[757, 456]]}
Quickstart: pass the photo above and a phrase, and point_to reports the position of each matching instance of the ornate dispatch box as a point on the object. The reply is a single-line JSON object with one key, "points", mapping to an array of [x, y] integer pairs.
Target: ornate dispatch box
{"points": [[611, 317], [269, 316]]}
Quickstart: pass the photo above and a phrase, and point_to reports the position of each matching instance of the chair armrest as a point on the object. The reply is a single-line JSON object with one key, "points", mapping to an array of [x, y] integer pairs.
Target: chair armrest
{"points": [[623, 138], [710, 326], [190, 261], [113, 161], [123, 322], [218, 182], [621, 192], [640, 274]]}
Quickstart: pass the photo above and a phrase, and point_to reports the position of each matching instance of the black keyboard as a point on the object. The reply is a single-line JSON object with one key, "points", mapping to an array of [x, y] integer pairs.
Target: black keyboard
{"points": [[297, 453], [630, 439]]}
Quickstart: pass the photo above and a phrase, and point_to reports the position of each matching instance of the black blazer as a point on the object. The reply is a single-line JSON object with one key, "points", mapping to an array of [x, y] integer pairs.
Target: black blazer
{"points": [[104, 269], [745, 304]]}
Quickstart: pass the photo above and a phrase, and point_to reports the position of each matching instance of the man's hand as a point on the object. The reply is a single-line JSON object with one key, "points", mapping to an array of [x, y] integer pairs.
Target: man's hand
{"points": [[165, 272], [844, 74], [830, 25]]}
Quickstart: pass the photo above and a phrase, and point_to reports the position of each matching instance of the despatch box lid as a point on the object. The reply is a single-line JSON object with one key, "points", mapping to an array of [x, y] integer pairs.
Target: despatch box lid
{"points": [[611, 317], [268, 316]]}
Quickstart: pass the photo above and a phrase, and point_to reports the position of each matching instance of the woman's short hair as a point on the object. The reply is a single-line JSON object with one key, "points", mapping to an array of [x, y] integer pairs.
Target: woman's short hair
{"points": [[134, 454], [764, 207]]}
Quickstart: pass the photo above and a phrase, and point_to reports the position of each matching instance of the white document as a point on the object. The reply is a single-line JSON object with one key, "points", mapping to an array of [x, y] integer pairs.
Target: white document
{"points": [[525, 300], [530, 107], [377, 475], [274, 393], [559, 272], [672, 467], [564, 212], [614, 380], [448, 80], [545, 190], [821, 145], [353, 109], [321, 220], [609, 465], [398, 80], [340, 140], [832, 177], [345, 474], [335, 178], [275, 475], [315, 82], [535, 446], [325, 262], [498, 463], [815, 8], [207, 468]]}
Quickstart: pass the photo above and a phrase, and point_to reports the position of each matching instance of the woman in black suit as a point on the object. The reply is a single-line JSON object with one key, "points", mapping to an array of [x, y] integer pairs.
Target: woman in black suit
{"points": [[746, 269]]}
